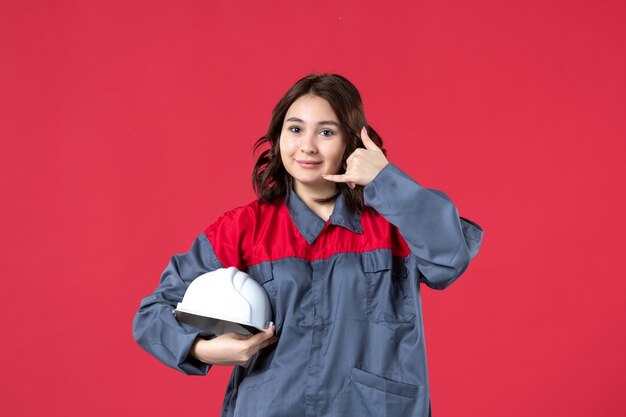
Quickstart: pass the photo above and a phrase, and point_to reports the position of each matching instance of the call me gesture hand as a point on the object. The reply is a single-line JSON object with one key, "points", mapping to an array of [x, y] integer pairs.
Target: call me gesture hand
{"points": [[362, 165]]}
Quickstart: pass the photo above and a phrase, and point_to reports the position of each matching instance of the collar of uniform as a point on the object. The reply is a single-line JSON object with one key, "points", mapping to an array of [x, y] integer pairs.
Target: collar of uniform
{"points": [[310, 224]]}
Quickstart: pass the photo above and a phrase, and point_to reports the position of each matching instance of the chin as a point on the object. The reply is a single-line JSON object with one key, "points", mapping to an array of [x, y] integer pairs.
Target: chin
{"points": [[311, 182]]}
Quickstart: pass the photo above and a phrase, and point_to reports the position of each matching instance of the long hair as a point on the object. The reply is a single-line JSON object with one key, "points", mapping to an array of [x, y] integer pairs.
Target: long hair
{"points": [[270, 180]]}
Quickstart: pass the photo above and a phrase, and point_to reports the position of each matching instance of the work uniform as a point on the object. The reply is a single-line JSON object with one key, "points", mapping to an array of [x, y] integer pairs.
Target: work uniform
{"points": [[345, 295]]}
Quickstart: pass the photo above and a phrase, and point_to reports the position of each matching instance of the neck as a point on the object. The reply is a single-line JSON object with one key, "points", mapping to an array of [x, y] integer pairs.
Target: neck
{"points": [[311, 198]]}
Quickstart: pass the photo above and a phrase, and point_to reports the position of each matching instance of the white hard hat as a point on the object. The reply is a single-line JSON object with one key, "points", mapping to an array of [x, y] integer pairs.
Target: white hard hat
{"points": [[225, 300]]}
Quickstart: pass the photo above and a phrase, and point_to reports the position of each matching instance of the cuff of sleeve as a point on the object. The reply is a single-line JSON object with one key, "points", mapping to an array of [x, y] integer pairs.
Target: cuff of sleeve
{"points": [[386, 180], [186, 362], [471, 230]]}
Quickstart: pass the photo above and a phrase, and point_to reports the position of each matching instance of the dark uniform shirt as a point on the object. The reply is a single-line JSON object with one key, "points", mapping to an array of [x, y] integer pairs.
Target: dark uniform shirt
{"points": [[345, 296]]}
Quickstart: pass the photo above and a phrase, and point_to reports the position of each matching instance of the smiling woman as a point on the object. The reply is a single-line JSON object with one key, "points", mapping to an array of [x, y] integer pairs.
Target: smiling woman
{"points": [[312, 144], [337, 105], [340, 239]]}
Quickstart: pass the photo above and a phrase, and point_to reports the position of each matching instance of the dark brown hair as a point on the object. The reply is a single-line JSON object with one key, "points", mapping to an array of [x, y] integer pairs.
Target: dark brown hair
{"points": [[269, 177]]}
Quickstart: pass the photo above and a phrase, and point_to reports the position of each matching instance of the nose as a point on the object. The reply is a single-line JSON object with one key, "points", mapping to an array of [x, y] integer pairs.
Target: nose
{"points": [[308, 144]]}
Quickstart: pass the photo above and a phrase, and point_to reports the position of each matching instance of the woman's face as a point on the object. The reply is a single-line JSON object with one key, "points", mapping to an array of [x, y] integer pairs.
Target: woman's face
{"points": [[311, 144]]}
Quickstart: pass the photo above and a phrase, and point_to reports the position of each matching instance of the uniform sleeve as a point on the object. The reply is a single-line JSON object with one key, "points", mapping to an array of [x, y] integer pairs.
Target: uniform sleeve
{"points": [[441, 242], [155, 328]]}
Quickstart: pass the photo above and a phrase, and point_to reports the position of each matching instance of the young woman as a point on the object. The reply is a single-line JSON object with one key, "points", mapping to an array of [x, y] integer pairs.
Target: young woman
{"points": [[341, 240]]}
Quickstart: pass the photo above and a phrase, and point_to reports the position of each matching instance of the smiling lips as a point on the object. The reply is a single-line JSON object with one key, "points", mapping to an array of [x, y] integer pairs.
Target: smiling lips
{"points": [[309, 164]]}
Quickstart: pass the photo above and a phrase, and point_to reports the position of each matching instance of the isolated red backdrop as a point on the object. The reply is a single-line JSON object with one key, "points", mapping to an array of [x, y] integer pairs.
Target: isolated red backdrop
{"points": [[126, 128]]}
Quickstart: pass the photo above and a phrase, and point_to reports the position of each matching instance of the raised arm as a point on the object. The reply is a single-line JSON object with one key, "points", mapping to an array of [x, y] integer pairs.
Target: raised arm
{"points": [[441, 242]]}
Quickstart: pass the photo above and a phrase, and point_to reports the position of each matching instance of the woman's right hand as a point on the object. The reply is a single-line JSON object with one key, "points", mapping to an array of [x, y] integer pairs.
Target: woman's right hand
{"points": [[232, 348]]}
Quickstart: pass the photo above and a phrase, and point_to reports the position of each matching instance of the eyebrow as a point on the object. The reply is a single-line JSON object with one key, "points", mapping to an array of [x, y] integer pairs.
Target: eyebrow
{"points": [[323, 122]]}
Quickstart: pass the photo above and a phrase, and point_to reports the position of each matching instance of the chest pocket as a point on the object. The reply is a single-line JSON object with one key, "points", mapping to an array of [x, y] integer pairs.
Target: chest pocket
{"points": [[389, 296]]}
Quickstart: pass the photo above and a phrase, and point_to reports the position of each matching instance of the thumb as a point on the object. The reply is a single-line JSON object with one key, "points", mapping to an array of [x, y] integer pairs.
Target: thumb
{"points": [[367, 141], [259, 338]]}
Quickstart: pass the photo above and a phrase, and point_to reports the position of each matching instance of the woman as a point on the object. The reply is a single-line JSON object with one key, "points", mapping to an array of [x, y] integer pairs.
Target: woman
{"points": [[340, 239]]}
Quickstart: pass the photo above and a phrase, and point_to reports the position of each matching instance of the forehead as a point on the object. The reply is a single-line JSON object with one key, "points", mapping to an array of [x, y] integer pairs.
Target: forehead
{"points": [[311, 109]]}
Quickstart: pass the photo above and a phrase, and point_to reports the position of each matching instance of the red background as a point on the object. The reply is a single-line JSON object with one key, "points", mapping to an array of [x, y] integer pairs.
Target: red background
{"points": [[126, 128]]}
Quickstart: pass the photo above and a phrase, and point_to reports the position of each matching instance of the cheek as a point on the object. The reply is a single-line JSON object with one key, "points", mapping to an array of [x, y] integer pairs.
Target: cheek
{"points": [[338, 153], [287, 146]]}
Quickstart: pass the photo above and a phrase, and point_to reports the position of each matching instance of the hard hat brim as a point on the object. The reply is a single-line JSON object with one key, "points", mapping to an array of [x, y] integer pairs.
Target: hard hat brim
{"points": [[214, 325]]}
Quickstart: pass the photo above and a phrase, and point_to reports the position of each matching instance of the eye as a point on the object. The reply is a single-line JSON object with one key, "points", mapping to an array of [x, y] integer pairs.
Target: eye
{"points": [[294, 129], [326, 132]]}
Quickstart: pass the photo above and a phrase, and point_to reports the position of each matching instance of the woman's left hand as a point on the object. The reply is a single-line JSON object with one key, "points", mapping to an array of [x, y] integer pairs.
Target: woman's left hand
{"points": [[363, 165]]}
